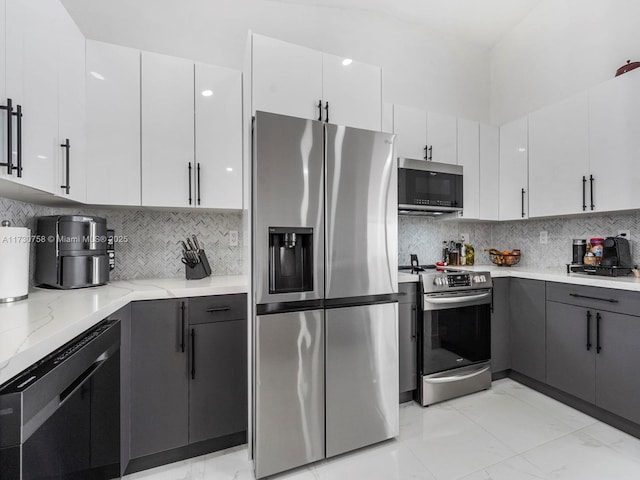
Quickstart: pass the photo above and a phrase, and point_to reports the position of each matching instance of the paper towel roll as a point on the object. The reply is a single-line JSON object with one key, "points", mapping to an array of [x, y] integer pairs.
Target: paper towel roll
{"points": [[14, 263]]}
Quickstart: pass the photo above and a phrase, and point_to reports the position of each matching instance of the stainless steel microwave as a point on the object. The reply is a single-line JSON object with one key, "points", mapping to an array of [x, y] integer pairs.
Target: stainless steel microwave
{"points": [[428, 188]]}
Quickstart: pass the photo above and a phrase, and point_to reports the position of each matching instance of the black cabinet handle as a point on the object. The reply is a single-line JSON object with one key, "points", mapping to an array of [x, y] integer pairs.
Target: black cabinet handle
{"points": [[320, 110], [591, 180], [18, 114], [193, 354], [198, 182], [598, 346], [9, 163], [189, 183], [426, 152], [522, 196], [326, 109], [430, 153], [588, 330], [414, 322], [67, 146], [225, 308], [584, 193], [610, 300], [182, 316]]}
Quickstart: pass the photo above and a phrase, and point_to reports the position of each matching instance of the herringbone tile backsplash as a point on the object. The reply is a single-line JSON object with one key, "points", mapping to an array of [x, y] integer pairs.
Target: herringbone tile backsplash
{"points": [[152, 249]]}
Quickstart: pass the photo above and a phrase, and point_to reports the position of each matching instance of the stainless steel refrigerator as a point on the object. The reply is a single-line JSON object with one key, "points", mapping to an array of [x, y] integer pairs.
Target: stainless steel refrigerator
{"points": [[325, 334]]}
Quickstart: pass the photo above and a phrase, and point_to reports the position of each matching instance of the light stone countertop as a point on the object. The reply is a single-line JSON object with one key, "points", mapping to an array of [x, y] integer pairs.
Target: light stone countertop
{"points": [[33, 328]]}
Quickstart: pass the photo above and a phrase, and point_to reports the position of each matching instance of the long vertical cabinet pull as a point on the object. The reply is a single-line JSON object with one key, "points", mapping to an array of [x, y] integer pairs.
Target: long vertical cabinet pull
{"points": [[591, 180], [18, 114], [430, 153], [588, 330], [182, 322], [320, 110], [522, 194], [67, 146], [198, 181], [193, 354], [414, 322], [326, 109], [584, 193], [426, 152], [598, 346], [9, 162], [189, 183]]}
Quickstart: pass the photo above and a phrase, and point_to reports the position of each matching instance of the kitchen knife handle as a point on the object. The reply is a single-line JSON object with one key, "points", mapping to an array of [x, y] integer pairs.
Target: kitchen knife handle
{"points": [[198, 182], [584, 193], [182, 315], [598, 346], [326, 109], [588, 330], [320, 110], [522, 194], [189, 183], [193, 354], [67, 146], [591, 180], [9, 163]]}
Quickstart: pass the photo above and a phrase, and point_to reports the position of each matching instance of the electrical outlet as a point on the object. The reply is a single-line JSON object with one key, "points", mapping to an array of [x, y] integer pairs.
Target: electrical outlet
{"points": [[544, 237], [233, 238], [464, 238], [625, 233]]}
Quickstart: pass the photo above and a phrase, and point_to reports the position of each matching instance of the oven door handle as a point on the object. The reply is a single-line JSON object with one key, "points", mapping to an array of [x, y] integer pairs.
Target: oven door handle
{"points": [[455, 378], [458, 299]]}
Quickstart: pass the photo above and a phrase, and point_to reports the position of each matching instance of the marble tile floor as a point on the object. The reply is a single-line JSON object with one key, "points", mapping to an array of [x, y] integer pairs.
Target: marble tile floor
{"points": [[507, 433]]}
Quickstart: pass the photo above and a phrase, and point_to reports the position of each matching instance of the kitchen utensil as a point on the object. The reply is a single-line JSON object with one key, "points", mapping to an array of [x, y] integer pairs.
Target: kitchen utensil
{"points": [[627, 68], [196, 243], [190, 243]]}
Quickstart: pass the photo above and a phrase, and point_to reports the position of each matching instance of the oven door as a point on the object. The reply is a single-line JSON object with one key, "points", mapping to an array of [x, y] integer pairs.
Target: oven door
{"points": [[435, 189], [456, 335]]}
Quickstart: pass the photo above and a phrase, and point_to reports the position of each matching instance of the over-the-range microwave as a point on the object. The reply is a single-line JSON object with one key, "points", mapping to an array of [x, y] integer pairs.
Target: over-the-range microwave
{"points": [[428, 188]]}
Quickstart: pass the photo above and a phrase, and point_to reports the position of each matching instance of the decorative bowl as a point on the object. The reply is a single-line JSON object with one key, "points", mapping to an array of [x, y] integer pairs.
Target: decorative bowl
{"points": [[505, 260]]}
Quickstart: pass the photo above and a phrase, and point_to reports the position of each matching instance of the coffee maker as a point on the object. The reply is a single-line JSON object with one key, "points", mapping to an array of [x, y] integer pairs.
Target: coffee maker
{"points": [[616, 253], [71, 251]]}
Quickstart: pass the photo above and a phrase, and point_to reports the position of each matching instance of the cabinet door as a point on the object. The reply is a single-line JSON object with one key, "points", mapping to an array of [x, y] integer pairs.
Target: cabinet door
{"points": [[558, 157], [218, 387], [617, 386], [442, 138], [218, 124], [469, 158], [500, 332], [407, 346], [72, 111], [3, 90], [167, 131], [489, 172], [287, 78], [410, 124], [353, 92], [32, 82], [614, 143], [571, 360], [159, 381], [113, 124], [513, 170], [527, 324]]}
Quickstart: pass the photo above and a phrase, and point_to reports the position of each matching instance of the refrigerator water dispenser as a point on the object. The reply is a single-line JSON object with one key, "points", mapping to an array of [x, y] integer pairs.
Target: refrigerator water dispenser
{"points": [[290, 259]]}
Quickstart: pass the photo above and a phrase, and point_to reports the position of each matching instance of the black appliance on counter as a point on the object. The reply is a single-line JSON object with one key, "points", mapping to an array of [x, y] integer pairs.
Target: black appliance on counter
{"points": [[71, 251], [60, 419], [616, 260]]}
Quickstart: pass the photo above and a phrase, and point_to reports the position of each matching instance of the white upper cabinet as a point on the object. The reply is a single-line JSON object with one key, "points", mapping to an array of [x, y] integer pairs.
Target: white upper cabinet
{"points": [[559, 158], [513, 170], [167, 131], [32, 84], [469, 158], [489, 172], [71, 167], [113, 124], [301, 82], [442, 138], [614, 143], [352, 92], [218, 130], [3, 96], [410, 126], [286, 78]]}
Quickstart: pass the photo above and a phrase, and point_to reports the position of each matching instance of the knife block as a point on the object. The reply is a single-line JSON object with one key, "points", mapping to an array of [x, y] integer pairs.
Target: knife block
{"points": [[200, 270]]}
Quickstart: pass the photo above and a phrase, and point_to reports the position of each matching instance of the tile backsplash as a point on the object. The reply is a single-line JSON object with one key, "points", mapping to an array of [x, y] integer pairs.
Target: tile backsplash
{"points": [[152, 249]]}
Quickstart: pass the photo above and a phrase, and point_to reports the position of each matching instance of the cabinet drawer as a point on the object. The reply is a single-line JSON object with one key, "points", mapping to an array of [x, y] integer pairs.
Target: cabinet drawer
{"points": [[408, 292], [217, 308], [607, 299]]}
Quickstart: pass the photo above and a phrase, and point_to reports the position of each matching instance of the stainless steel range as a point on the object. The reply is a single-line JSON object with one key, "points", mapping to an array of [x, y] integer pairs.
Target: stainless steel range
{"points": [[455, 334]]}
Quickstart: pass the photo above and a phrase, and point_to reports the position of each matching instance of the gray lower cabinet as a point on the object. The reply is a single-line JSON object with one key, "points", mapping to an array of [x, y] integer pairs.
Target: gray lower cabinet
{"points": [[500, 331], [407, 336], [159, 394], [527, 323]]}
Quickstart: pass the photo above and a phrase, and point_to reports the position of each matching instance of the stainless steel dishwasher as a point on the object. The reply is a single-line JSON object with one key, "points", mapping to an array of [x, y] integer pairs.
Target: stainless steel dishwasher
{"points": [[60, 419]]}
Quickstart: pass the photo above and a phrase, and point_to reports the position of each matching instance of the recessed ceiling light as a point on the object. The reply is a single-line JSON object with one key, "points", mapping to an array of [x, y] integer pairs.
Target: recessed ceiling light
{"points": [[97, 75], [347, 62], [207, 93], [229, 169]]}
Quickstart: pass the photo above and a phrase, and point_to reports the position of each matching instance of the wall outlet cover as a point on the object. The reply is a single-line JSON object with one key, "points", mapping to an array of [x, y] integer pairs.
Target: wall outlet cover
{"points": [[233, 238], [544, 237]]}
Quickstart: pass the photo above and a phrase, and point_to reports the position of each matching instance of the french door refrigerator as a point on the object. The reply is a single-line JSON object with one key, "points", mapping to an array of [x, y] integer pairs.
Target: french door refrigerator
{"points": [[325, 335]]}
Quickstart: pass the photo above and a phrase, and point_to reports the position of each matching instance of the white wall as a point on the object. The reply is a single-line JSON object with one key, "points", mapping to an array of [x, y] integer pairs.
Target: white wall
{"points": [[421, 68], [562, 47]]}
